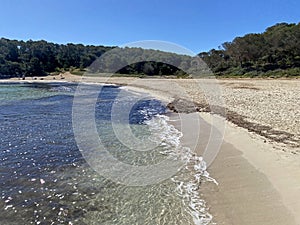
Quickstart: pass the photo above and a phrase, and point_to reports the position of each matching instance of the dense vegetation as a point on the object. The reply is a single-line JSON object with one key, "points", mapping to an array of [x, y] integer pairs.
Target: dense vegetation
{"points": [[276, 52], [37, 58]]}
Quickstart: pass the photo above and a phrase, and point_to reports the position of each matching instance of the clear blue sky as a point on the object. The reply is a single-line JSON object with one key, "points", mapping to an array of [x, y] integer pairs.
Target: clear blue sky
{"points": [[198, 25]]}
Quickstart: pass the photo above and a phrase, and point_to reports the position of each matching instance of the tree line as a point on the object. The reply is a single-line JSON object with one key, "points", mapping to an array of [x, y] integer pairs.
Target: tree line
{"points": [[38, 58], [273, 52]]}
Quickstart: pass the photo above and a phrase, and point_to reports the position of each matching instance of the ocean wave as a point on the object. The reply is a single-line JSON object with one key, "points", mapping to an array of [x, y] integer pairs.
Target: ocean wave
{"points": [[190, 176], [61, 89]]}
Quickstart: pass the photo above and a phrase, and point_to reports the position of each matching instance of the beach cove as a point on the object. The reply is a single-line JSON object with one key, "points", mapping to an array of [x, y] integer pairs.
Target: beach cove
{"points": [[258, 166]]}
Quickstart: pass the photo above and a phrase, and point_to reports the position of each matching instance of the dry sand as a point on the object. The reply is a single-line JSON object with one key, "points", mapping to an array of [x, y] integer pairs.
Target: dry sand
{"points": [[258, 165]]}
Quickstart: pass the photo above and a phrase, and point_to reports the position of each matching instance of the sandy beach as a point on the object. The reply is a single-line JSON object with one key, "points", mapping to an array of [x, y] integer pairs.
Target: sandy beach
{"points": [[258, 165]]}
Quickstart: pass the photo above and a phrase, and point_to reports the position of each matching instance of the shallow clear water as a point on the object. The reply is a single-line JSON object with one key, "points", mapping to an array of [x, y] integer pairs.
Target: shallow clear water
{"points": [[45, 179]]}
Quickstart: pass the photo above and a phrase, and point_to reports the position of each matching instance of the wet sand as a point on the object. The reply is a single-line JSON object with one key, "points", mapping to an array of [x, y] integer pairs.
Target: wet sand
{"points": [[248, 192]]}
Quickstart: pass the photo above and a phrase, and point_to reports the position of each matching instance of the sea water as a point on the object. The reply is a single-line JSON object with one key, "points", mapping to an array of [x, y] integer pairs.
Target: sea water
{"points": [[44, 178]]}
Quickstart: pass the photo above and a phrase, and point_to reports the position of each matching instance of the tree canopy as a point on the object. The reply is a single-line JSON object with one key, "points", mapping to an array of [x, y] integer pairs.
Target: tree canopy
{"points": [[37, 58], [275, 51]]}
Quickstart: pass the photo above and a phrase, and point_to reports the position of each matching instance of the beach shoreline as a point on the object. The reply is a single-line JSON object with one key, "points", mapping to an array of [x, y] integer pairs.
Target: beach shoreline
{"points": [[258, 172]]}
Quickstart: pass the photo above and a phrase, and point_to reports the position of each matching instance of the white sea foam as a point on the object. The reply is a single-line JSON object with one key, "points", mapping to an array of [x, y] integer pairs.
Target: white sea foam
{"points": [[188, 179], [61, 89]]}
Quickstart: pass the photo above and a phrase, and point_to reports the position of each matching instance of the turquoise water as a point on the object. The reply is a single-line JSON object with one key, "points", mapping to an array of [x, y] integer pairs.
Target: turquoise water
{"points": [[46, 180]]}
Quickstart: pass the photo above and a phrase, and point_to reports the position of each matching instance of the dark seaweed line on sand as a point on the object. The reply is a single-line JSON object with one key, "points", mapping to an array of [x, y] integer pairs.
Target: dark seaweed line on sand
{"points": [[185, 106]]}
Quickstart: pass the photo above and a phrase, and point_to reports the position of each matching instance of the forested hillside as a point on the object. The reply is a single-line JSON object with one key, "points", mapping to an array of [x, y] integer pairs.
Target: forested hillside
{"points": [[276, 52], [37, 58]]}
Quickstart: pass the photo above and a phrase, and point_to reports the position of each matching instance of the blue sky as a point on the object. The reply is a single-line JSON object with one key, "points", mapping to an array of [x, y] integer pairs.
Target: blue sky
{"points": [[198, 25]]}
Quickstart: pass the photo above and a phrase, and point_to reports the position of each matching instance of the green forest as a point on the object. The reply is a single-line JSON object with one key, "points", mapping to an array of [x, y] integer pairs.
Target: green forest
{"points": [[276, 52], [39, 58], [273, 53]]}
